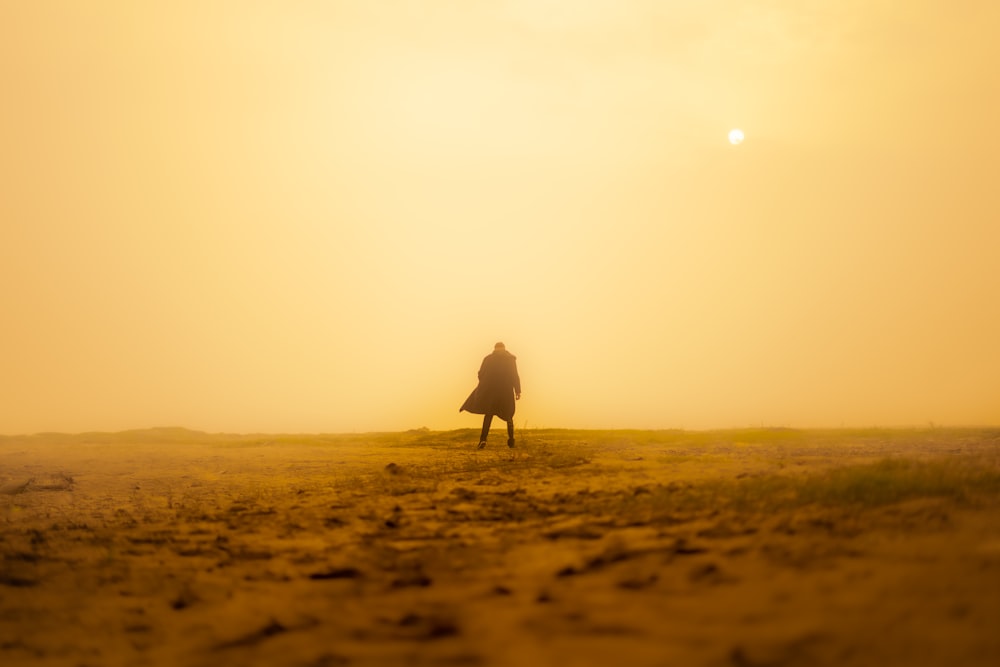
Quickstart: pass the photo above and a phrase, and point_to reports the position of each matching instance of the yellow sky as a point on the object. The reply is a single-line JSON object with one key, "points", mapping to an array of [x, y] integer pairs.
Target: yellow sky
{"points": [[319, 216]]}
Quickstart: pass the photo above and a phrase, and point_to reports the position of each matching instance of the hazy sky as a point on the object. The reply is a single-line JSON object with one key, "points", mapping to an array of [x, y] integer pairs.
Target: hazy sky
{"points": [[319, 216]]}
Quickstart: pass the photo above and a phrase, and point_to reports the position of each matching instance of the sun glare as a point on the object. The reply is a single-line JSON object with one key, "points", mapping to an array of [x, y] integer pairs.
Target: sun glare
{"points": [[736, 136]]}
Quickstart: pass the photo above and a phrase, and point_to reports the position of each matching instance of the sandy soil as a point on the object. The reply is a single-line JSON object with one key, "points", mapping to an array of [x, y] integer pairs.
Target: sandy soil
{"points": [[169, 547]]}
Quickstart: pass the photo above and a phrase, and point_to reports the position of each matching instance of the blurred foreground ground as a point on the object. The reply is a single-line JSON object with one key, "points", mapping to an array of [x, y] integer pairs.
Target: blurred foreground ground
{"points": [[740, 548]]}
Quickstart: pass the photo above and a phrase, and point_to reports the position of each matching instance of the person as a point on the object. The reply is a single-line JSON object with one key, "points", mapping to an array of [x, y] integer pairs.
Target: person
{"points": [[499, 386]]}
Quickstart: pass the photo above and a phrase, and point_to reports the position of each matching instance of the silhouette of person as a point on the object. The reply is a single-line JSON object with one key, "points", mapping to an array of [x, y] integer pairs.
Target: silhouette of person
{"points": [[499, 386]]}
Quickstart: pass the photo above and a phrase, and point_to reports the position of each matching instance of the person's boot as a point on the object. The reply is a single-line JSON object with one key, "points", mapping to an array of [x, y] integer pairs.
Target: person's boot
{"points": [[482, 444], [510, 442]]}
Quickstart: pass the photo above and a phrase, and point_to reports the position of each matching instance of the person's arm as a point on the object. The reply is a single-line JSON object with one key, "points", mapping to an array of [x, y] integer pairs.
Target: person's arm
{"points": [[517, 383]]}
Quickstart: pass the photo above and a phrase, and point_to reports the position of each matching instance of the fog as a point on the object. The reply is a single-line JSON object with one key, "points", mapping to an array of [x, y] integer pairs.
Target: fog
{"points": [[321, 217]]}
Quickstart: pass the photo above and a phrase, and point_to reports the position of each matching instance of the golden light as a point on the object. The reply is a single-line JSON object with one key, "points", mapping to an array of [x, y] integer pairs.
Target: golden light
{"points": [[735, 136]]}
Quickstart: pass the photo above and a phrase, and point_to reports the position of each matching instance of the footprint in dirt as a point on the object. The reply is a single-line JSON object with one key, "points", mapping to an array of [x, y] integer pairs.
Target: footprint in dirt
{"points": [[425, 627], [710, 574]]}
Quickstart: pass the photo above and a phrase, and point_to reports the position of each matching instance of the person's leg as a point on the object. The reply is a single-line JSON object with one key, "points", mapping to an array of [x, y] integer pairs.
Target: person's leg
{"points": [[487, 420], [510, 432]]}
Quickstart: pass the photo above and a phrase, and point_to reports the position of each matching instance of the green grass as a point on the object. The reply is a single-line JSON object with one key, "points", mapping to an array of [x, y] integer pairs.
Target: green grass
{"points": [[693, 470], [895, 480], [548, 452], [860, 486]]}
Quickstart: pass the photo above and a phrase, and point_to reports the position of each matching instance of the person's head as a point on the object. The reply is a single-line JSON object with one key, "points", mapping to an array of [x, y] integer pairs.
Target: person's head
{"points": [[499, 347]]}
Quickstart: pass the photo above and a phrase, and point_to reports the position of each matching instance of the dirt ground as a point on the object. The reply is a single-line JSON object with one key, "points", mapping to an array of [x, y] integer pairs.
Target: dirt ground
{"points": [[169, 547]]}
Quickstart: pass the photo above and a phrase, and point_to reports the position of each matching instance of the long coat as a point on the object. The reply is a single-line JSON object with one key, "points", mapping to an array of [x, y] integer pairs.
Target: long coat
{"points": [[498, 382]]}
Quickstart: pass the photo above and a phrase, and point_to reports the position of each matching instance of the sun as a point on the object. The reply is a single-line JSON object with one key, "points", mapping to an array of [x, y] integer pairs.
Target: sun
{"points": [[736, 136]]}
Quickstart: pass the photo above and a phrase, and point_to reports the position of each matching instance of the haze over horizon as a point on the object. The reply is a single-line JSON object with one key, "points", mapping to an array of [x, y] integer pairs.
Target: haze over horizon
{"points": [[319, 217]]}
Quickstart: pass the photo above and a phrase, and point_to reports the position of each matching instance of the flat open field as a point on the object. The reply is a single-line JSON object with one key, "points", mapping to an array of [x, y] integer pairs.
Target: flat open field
{"points": [[740, 548]]}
